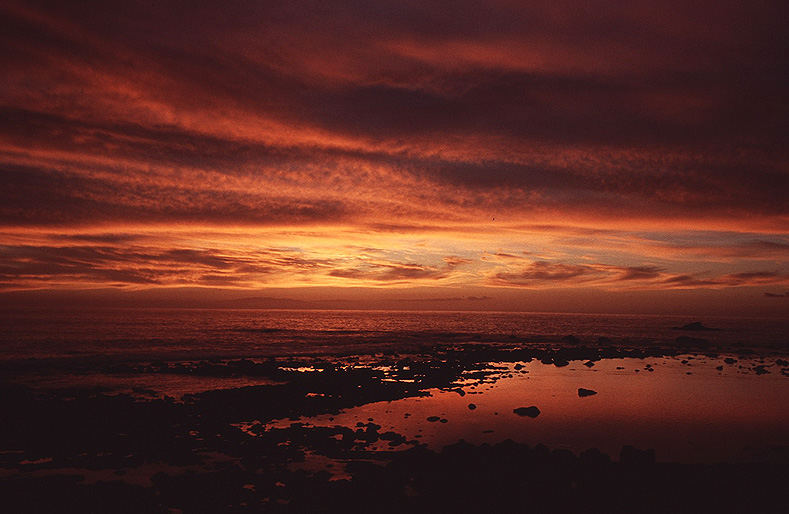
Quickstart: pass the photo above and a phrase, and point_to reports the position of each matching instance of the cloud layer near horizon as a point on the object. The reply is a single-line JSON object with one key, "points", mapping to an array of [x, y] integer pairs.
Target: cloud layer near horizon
{"points": [[394, 143]]}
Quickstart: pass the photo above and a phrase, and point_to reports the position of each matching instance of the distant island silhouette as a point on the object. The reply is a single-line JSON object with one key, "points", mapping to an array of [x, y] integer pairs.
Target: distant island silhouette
{"points": [[696, 326]]}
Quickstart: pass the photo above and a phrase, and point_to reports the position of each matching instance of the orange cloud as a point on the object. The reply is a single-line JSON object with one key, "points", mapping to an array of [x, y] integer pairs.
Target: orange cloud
{"points": [[260, 145]]}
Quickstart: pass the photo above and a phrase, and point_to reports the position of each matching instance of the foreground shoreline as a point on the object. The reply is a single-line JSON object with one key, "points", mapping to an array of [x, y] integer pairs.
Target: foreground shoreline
{"points": [[95, 448]]}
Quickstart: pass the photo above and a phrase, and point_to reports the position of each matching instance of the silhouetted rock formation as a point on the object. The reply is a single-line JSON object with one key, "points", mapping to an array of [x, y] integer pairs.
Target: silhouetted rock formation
{"points": [[585, 392], [531, 412], [695, 326]]}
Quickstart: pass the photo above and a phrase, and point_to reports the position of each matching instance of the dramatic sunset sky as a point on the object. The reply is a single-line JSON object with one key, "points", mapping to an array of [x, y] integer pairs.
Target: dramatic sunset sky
{"points": [[594, 156]]}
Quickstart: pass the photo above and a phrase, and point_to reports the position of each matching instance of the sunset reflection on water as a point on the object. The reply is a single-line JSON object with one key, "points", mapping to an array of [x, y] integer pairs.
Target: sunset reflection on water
{"points": [[688, 412]]}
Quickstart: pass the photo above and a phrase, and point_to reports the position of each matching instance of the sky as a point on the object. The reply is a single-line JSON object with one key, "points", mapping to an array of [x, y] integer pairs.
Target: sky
{"points": [[583, 156]]}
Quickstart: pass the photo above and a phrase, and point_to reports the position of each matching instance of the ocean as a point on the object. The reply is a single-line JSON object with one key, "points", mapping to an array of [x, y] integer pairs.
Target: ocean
{"points": [[260, 407], [201, 333]]}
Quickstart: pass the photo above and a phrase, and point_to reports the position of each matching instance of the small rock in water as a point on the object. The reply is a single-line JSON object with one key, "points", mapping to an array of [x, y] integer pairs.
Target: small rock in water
{"points": [[433, 419], [585, 392], [692, 341], [471, 406], [531, 412], [570, 339]]}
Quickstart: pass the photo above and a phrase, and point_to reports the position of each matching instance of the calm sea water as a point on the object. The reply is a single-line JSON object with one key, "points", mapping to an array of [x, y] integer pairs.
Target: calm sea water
{"points": [[161, 332], [688, 408]]}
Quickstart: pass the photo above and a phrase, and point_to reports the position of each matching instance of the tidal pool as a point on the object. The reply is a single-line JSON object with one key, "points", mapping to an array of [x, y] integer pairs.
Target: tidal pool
{"points": [[683, 407]]}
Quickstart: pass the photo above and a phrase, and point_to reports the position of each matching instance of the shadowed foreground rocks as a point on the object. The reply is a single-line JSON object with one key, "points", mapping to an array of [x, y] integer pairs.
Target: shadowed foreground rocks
{"points": [[460, 478], [87, 451]]}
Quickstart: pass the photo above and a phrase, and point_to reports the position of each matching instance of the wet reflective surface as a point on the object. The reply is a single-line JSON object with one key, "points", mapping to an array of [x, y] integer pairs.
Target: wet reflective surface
{"points": [[688, 412], [396, 419]]}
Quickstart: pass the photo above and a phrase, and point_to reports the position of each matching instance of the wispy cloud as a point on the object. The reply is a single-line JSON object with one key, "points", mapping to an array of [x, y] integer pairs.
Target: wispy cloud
{"points": [[541, 274], [518, 144]]}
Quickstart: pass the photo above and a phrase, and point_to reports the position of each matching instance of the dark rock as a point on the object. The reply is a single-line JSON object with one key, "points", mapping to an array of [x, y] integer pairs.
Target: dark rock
{"points": [[571, 340], [594, 457], [729, 360], [631, 456], [585, 392], [394, 438], [531, 412], [433, 419], [692, 341], [471, 406], [588, 364]]}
